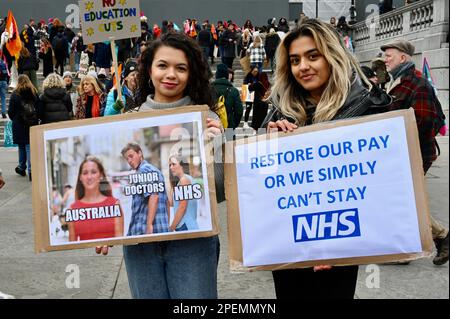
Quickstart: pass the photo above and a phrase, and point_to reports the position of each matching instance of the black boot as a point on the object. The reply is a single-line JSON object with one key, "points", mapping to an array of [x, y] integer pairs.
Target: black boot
{"points": [[442, 251], [20, 171]]}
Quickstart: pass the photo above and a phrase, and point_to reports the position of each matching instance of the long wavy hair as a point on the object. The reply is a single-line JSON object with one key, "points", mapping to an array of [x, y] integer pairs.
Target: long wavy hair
{"points": [[290, 97], [174, 180], [24, 86], [105, 187], [198, 87], [89, 79]]}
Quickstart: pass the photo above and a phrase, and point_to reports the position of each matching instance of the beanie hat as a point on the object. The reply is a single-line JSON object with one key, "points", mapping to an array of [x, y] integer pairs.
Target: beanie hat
{"points": [[67, 74], [222, 71], [130, 66]]}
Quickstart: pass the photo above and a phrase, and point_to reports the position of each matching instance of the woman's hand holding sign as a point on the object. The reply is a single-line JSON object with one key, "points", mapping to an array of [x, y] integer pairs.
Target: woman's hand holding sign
{"points": [[214, 128], [102, 250], [281, 125], [322, 267]]}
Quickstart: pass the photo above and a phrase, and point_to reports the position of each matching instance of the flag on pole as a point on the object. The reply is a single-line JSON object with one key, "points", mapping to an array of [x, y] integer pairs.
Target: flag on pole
{"points": [[213, 31], [426, 72], [193, 31], [14, 45]]}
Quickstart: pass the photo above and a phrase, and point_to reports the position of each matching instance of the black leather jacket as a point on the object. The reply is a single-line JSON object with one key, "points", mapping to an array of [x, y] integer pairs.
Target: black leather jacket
{"points": [[359, 102]]}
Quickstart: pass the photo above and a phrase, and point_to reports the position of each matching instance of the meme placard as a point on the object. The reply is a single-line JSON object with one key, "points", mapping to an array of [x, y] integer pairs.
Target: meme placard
{"points": [[348, 192], [132, 178]]}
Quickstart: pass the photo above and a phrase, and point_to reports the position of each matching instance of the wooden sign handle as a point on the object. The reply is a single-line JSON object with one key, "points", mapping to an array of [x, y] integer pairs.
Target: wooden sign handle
{"points": [[116, 68]]}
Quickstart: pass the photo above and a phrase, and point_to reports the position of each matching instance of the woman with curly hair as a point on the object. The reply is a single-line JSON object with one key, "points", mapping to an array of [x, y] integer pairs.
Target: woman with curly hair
{"points": [[56, 104], [173, 73]]}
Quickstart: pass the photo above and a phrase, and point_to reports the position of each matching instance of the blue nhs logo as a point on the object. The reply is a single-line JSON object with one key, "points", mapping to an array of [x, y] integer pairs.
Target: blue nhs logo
{"points": [[326, 225]]}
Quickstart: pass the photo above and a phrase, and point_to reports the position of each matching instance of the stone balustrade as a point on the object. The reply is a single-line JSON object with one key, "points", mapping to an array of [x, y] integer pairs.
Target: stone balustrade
{"points": [[424, 23]]}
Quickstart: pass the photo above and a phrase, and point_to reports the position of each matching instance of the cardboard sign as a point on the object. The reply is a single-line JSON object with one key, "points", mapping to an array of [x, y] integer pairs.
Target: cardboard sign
{"points": [[103, 20], [114, 185], [337, 193]]}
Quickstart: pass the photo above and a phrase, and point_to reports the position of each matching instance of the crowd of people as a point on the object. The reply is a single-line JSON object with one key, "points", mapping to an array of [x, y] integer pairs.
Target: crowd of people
{"points": [[316, 79]]}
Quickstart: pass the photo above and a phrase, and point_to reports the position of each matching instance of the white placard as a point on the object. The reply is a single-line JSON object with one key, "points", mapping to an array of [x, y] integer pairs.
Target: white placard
{"points": [[103, 20], [336, 193]]}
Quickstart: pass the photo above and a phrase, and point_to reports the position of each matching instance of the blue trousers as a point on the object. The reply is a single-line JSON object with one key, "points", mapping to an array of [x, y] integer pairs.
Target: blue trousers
{"points": [[177, 269]]}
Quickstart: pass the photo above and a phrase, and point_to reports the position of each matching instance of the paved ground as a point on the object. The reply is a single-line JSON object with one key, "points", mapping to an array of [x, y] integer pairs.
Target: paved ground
{"points": [[27, 275]]}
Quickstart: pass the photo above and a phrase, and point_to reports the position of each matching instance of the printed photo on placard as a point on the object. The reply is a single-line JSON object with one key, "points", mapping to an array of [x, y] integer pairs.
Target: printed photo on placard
{"points": [[119, 180]]}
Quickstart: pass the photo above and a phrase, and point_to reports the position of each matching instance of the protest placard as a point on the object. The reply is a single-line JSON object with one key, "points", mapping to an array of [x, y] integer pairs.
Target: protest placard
{"points": [[336, 193], [94, 179], [102, 20]]}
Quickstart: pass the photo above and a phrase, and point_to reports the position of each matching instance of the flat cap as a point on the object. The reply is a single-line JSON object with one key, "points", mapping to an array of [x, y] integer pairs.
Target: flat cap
{"points": [[401, 45]]}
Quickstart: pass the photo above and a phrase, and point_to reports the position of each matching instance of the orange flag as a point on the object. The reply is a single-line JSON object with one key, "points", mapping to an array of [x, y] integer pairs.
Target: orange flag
{"points": [[193, 33], [213, 31], [14, 45]]}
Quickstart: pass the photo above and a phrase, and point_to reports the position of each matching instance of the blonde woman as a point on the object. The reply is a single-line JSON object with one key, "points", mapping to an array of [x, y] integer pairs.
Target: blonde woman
{"points": [[257, 53], [318, 80], [91, 100], [56, 104], [244, 43]]}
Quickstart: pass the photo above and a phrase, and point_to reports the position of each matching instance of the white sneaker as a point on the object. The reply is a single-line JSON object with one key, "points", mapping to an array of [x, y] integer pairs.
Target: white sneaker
{"points": [[246, 125]]}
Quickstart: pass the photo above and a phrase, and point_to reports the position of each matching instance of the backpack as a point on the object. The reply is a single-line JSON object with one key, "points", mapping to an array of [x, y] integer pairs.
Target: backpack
{"points": [[221, 109], [440, 120], [58, 44], [29, 115]]}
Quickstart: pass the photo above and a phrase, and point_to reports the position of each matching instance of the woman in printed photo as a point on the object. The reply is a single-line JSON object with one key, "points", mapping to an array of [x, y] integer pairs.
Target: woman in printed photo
{"points": [[185, 211], [94, 192]]}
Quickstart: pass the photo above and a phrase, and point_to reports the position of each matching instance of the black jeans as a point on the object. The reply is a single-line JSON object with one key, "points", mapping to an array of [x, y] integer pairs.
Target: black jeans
{"points": [[336, 283], [248, 108]]}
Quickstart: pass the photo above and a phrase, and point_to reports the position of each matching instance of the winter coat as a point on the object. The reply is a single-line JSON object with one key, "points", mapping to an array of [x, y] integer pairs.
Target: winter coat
{"points": [[130, 101], [102, 55], [27, 64], [259, 85], [233, 101], [47, 59], [243, 46], [80, 110], [55, 105], [60, 46], [411, 89], [227, 42], [271, 44], [205, 38], [21, 131]]}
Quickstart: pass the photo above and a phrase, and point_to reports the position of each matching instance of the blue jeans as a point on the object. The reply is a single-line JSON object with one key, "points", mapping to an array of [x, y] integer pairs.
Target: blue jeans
{"points": [[24, 157], [177, 269], [77, 61], [3, 92]]}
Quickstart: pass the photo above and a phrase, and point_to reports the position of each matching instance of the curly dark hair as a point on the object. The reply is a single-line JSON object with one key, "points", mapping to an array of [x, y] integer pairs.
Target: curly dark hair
{"points": [[198, 87]]}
